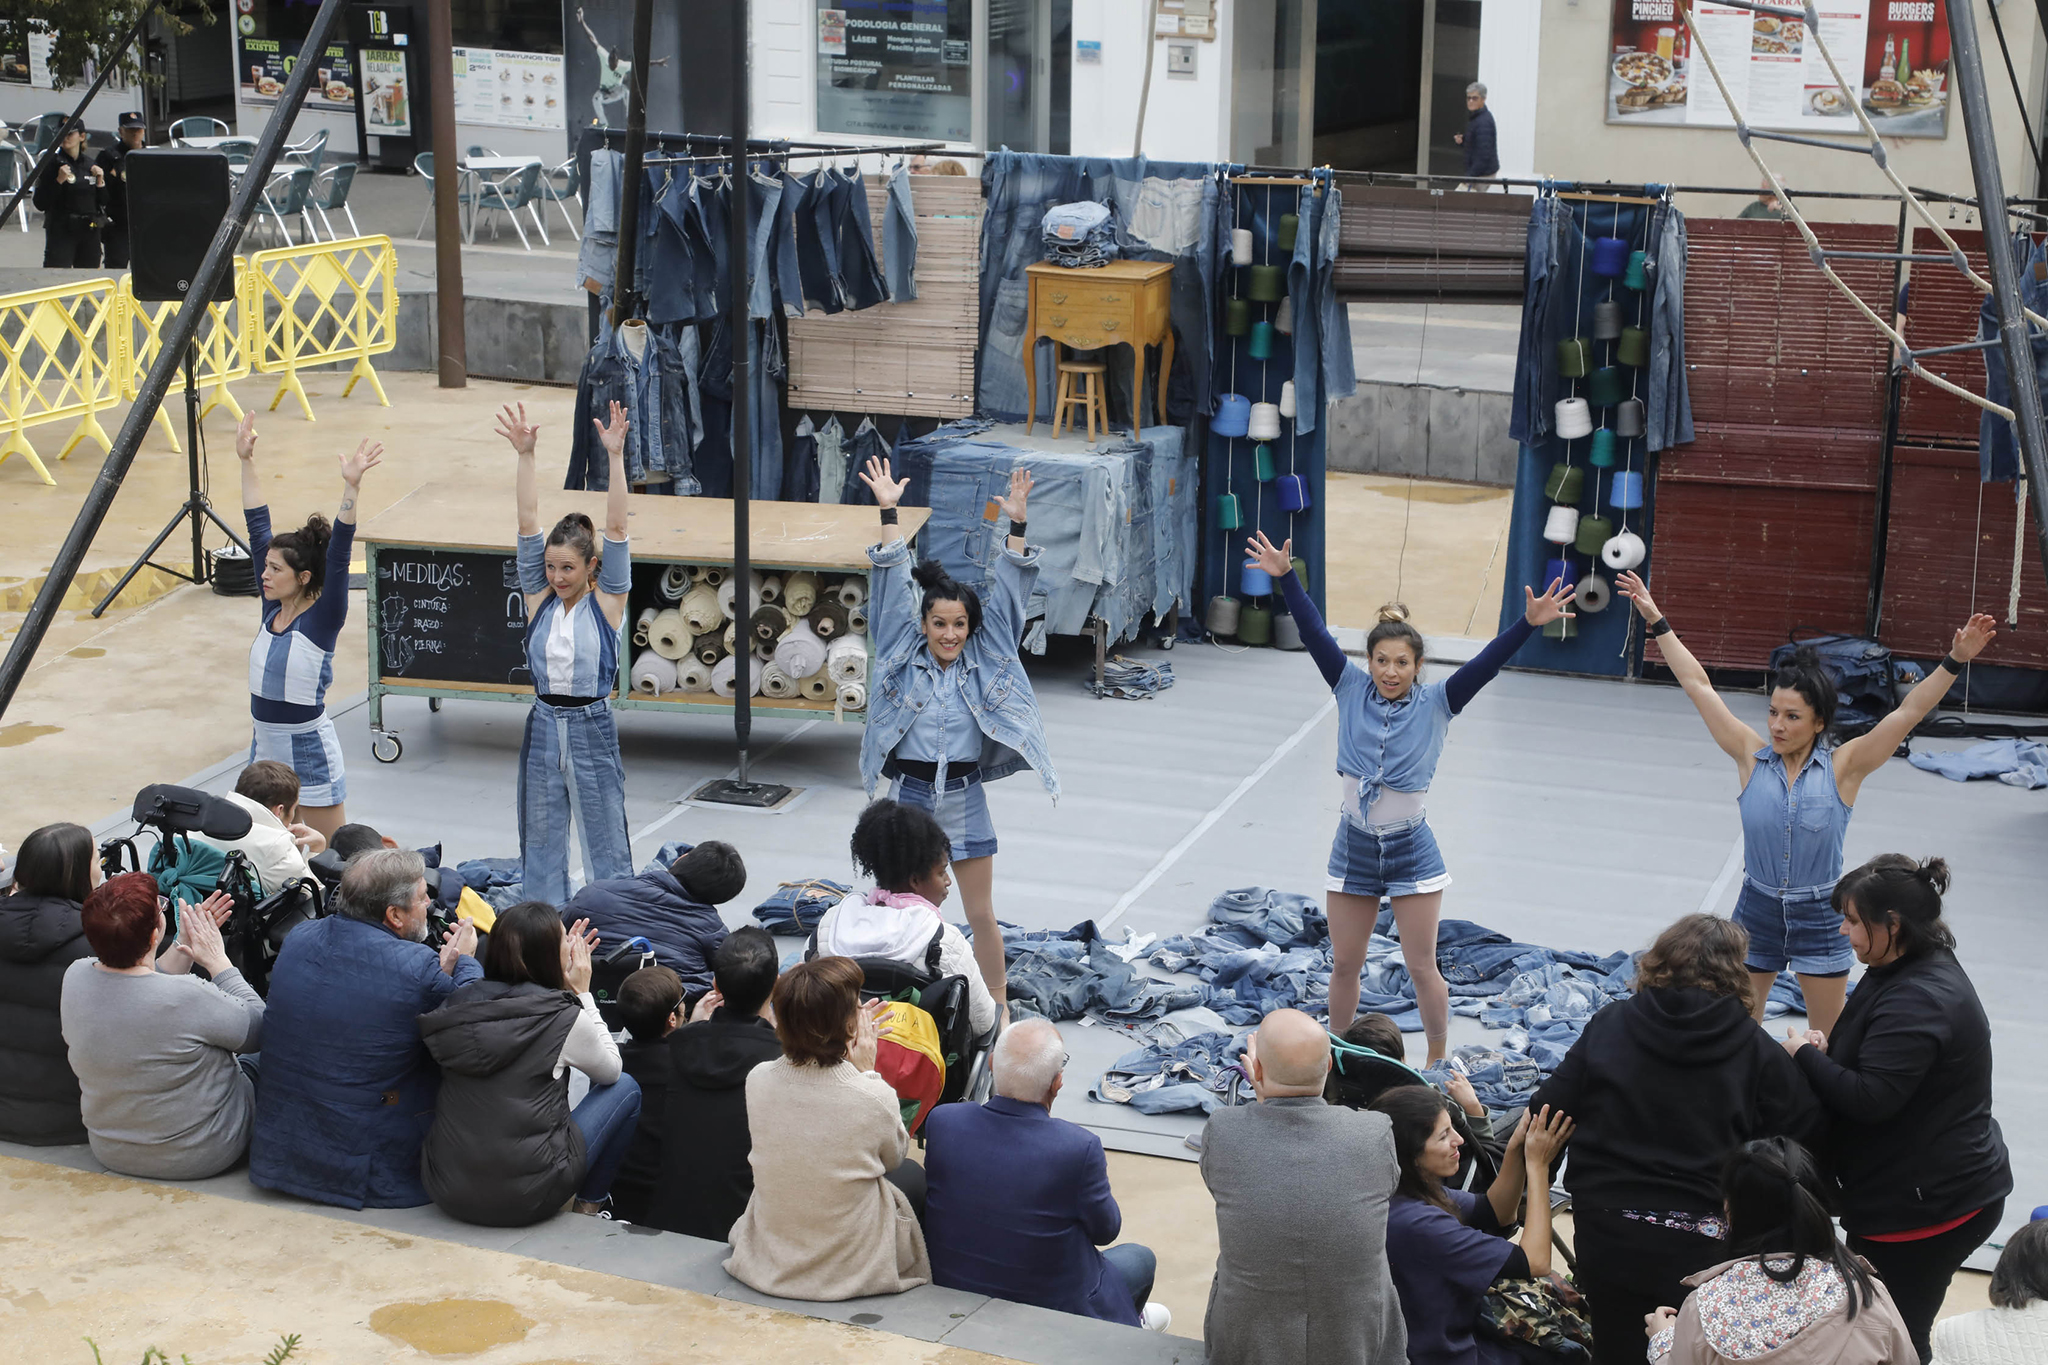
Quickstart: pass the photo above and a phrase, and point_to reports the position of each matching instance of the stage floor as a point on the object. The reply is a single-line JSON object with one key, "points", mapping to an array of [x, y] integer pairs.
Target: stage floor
{"points": [[1575, 813]]}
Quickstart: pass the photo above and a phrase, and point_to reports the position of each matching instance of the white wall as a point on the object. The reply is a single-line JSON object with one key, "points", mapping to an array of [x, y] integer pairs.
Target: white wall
{"points": [[1184, 120], [1510, 55], [21, 103], [783, 89]]}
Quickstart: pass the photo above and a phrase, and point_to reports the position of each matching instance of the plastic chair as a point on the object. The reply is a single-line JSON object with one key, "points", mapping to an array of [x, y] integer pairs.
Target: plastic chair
{"points": [[309, 153], [560, 192], [288, 194], [423, 164], [477, 149], [198, 125], [509, 193], [15, 165], [330, 194]]}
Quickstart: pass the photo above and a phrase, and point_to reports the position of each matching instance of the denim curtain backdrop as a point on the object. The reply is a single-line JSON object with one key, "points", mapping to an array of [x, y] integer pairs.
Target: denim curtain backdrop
{"points": [[1316, 357], [1558, 299], [1998, 455]]}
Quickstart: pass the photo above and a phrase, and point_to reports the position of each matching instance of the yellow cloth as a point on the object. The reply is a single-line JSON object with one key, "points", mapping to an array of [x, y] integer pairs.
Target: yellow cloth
{"points": [[477, 910]]}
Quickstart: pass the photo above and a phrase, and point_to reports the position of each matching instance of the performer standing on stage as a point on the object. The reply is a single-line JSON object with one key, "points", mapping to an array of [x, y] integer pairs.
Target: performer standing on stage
{"points": [[304, 578], [1391, 728], [1796, 796], [569, 766], [949, 706]]}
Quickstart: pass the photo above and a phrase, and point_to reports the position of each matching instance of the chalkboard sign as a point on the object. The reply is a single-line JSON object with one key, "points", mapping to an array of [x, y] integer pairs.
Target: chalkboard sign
{"points": [[450, 616]]}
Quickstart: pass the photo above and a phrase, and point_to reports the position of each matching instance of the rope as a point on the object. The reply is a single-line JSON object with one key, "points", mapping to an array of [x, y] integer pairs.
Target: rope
{"points": [[2019, 548]]}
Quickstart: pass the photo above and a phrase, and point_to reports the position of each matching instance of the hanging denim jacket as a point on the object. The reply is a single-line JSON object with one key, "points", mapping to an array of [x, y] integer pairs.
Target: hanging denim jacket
{"points": [[994, 685], [652, 390], [1670, 404], [800, 464], [899, 238]]}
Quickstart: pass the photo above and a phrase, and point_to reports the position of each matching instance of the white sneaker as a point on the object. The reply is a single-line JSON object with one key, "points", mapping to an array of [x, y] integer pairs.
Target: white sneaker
{"points": [[1157, 1317]]}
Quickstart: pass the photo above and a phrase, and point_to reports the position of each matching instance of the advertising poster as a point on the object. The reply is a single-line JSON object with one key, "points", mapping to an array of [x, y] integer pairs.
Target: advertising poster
{"points": [[387, 110], [1896, 53], [598, 43], [265, 62], [894, 69], [500, 89]]}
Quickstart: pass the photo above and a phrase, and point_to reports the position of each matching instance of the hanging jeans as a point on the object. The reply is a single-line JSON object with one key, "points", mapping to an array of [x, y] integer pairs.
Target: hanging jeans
{"points": [[817, 245], [710, 207], [1670, 404], [569, 770], [859, 274], [789, 279], [680, 287], [899, 238], [764, 198]]}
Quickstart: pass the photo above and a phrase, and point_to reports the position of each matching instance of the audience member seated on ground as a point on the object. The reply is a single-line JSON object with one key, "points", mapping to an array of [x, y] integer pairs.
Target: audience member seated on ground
{"points": [[40, 936], [348, 1088], [651, 1002], [1662, 1086], [2014, 1329], [505, 1149], [1905, 1078], [706, 1176], [910, 858], [154, 1047], [277, 845], [675, 908], [1019, 1200], [1446, 1247], [1301, 1190], [836, 1203], [1792, 1294]]}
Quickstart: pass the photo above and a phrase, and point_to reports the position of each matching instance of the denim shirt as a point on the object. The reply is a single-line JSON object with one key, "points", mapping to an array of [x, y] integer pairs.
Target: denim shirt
{"points": [[1792, 833], [991, 679], [653, 389], [1391, 744]]}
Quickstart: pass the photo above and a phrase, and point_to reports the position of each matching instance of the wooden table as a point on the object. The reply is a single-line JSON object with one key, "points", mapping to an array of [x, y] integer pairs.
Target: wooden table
{"points": [[1124, 303]]}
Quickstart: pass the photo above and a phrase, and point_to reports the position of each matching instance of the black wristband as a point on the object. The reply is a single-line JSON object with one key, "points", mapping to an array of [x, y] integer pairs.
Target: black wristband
{"points": [[1660, 626], [888, 516], [1016, 528], [1952, 664]]}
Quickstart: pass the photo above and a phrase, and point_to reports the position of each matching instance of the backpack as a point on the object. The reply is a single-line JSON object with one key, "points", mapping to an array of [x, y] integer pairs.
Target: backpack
{"points": [[944, 998], [1865, 687], [910, 1060]]}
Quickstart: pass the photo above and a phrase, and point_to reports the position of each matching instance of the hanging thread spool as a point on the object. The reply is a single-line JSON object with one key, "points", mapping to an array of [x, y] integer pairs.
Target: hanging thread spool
{"points": [[1240, 246], [1301, 572], [1606, 320], [1563, 628], [776, 683], [1560, 571], [1254, 581], [653, 674], [1623, 552], [1565, 484], [1290, 226], [799, 593], [828, 619], [1293, 492], [1262, 463], [1637, 275], [1574, 357], [1283, 317], [1594, 593], [1233, 415], [675, 581], [1255, 625], [771, 588], [667, 635], [1262, 341], [1574, 418], [1629, 418], [1287, 398], [768, 623], [1264, 422], [1605, 388], [1286, 632], [1633, 349], [1237, 317], [1221, 617], [1610, 256], [1626, 492], [1229, 515], [1593, 533], [1603, 450], [1268, 283], [1562, 525]]}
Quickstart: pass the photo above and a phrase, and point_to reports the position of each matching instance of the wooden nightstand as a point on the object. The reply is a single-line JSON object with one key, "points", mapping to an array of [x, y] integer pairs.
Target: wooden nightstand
{"points": [[1124, 303]]}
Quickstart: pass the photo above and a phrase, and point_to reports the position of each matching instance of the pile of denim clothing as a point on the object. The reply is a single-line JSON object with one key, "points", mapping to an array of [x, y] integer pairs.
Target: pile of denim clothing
{"points": [[1079, 236], [1061, 974], [2015, 762], [796, 907]]}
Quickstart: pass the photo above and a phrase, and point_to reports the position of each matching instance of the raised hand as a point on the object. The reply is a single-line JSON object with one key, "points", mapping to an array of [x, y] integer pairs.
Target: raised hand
{"points": [[1631, 586], [612, 433], [867, 1035], [1259, 552], [707, 1005], [1541, 611], [513, 426], [576, 957], [368, 456], [458, 943], [1021, 484], [199, 935], [888, 491], [1979, 631], [245, 437], [1549, 1130]]}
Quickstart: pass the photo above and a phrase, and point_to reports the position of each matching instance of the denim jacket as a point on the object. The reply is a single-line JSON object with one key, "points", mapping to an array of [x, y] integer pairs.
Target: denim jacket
{"points": [[665, 426], [995, 687]]}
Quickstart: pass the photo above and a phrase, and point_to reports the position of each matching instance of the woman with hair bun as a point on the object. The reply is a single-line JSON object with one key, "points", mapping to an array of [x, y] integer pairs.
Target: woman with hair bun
{"points": [[1391, 727], [1905, 1077], [304, 579], [949, 706], [1795, 819], [569, 767]]}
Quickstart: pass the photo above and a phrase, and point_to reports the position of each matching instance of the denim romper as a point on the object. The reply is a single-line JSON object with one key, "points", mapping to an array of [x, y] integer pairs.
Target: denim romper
{"points": [[1792, 835]]}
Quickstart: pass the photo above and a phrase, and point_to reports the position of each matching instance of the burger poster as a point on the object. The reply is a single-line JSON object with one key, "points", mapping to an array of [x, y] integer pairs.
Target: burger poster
{"points": [[266, 63], [1894, 54]]}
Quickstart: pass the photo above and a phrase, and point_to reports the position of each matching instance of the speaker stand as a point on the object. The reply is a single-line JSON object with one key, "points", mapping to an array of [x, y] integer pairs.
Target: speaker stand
{"points": [[196, 507]]}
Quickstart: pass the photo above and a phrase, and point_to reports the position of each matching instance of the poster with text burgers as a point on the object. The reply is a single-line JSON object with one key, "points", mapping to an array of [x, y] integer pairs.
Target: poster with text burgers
{"points": [[896, 68], [1893, 53]]}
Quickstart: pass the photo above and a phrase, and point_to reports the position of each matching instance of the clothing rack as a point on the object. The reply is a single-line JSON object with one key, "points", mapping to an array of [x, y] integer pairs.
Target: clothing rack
{"points": [[816, 151]]}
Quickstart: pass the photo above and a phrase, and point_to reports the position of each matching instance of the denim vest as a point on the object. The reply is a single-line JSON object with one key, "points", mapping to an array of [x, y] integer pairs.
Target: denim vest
{"points": [[1792, 833], [993, 686]]}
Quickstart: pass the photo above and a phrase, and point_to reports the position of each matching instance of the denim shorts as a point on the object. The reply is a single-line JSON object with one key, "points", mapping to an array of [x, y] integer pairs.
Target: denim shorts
{"points": [[963, 814], [1393, 860], [1804, 934]]}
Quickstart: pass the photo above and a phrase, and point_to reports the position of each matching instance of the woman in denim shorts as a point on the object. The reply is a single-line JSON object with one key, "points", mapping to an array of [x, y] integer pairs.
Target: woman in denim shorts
{"points": [[1391, 727], [1796, 794]]}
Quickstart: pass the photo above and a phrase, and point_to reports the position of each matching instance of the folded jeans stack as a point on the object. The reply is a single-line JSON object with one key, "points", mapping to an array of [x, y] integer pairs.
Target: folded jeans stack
{"points": [[1079, 236]]}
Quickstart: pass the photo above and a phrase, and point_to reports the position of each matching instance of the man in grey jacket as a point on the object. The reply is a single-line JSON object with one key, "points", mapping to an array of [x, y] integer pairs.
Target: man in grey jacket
{"points": [[1301, 1190]]}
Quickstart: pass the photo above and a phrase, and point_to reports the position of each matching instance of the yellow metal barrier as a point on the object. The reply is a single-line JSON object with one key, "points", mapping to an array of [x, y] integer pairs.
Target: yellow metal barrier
{"points": [[62, 358], [319, 304], [222, 351]]}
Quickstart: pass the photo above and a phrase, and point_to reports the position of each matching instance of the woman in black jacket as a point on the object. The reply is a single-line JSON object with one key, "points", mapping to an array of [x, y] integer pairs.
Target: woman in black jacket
{"points": [[71, 194], [40, 935], [1662, 1085], [1905, 1079]]}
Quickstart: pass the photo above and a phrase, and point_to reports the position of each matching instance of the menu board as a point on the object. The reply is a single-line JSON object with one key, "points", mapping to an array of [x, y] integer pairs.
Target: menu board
{"points": [[388, 94], [450, 616], [500, 89], [266, 62], [1894, 53], [896, 68]]}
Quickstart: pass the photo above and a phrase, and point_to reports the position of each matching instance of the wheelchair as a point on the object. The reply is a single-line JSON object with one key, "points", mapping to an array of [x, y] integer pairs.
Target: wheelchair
{"points": [[968, 1073]]}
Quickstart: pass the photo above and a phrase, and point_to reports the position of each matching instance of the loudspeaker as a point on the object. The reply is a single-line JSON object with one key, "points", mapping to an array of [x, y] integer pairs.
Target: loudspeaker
{"points": [[177, 197]]}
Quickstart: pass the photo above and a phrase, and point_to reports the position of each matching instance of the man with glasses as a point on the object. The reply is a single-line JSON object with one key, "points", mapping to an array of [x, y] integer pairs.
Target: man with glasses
{"points": [[1482, 156], [1017, 1201]]}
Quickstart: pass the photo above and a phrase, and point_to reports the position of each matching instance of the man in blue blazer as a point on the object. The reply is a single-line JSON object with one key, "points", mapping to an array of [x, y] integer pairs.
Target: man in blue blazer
{"points": [[1018, 1201]]}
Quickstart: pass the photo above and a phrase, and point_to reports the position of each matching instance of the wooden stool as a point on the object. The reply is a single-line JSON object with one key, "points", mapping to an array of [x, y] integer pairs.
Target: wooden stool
{"points": [[1089, 397]]}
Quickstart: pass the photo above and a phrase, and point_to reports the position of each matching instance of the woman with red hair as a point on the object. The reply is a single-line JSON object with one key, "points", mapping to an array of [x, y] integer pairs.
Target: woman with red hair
{"points": [[155, 1047]]}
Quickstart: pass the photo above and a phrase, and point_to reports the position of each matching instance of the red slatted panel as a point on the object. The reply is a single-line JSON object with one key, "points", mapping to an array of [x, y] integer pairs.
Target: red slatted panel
{"points": [[1944, 313], [1935, 532]]}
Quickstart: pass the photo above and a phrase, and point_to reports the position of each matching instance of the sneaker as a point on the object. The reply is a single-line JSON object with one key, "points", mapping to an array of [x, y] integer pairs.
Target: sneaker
{"points": [[1156, 1317], [601, 1209], [1193, 1141]]}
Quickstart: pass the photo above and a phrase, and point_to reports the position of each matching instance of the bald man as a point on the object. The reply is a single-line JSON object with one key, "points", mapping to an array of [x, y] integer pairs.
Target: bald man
{"points": [[1301, 1190]]}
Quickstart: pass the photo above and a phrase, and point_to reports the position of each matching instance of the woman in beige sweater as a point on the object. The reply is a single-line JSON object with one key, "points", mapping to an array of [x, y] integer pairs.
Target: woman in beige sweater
{"points": [[831, 1217]]}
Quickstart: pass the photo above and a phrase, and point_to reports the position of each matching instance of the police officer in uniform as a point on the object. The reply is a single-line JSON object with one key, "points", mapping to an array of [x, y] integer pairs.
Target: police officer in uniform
{"points": [[134, 132], [71, 194]]}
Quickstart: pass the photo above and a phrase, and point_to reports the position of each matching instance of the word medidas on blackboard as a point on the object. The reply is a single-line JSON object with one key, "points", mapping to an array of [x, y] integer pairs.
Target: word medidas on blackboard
{"points": [[449, 616]]}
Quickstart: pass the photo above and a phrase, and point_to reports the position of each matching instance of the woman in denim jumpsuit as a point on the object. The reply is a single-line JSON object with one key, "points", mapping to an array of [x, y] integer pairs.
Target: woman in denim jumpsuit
{"points": [[569, 765], [950, 708], [1796, 796]]}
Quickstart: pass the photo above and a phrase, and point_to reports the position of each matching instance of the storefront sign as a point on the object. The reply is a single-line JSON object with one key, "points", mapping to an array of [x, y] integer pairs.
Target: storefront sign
{"points": [[387, 111], [266, 62], [1896, 53], [501, 89], [896, 68]]}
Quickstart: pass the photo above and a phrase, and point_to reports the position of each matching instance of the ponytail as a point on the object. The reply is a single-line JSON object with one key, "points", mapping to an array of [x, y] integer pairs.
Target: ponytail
{"points": [[1778, 1208], [578, 533], [1895, 893], [305, 551]]}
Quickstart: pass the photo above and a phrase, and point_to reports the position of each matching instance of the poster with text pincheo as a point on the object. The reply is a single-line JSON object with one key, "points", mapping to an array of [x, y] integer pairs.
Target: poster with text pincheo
{"points": [[1893, 56]]}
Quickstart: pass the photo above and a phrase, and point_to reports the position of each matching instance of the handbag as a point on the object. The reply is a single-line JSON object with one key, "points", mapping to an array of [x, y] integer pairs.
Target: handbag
{"points": [[1542, 1319]]}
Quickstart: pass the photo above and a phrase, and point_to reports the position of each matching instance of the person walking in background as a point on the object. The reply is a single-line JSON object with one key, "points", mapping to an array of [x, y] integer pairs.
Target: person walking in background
{"points": [[113, 169], [71, 194], [1482, 153]]}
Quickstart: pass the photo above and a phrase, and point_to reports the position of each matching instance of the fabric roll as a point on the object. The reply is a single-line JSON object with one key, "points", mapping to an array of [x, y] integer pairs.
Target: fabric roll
{"points": [[675, 581], [709, 649], [711, 575], [764, 650], [800, 653], [653, 674], [828, 619], [800, 593], [771, 588], [852, 591], [693, 675], [724, 678], [769, 622], [668, 635], [728, 593], [853, 696], [846, 659], [818, 687], [642, 622], [856, 620], [776, 683], [732, 637], [700, 609]]}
